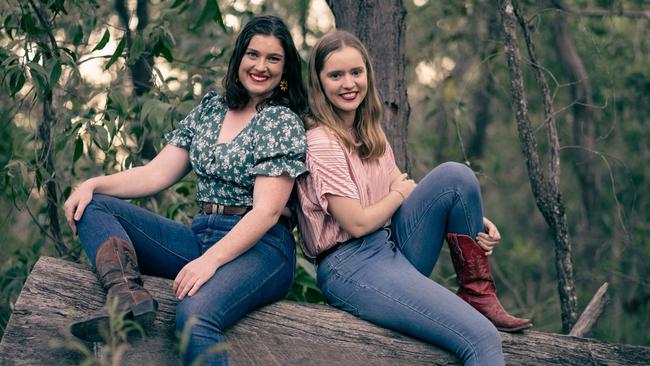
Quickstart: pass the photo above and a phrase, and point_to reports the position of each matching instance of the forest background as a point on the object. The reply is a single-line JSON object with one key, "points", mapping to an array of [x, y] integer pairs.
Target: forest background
{"points": [[89, 87]]}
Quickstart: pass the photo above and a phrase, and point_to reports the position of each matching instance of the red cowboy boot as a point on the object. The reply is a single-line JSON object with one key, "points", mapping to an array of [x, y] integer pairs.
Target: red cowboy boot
{"points": [[117, 268], [476, 285]]}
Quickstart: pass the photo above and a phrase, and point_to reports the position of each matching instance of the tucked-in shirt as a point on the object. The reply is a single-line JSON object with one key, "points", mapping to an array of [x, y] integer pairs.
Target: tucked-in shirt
{"points": [[272, 144], [335, 171]]}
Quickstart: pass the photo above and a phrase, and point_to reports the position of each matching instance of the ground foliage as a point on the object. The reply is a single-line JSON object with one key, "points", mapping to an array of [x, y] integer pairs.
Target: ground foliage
{"points": [[75, 57]]}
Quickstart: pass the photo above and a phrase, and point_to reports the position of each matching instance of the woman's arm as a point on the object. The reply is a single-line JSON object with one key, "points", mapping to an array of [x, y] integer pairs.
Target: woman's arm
{"points": [[170, 165], [359, 221], [270, 196]]}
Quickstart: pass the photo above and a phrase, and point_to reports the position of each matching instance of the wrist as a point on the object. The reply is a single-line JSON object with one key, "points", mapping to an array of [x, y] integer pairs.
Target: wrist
{"points": [[401, 195], [90, 184]]}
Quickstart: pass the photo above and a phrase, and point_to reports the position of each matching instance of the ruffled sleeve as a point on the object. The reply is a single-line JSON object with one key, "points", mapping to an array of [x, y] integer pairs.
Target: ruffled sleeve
{"points": [[329, 169], [184, 133], [280, 146]]}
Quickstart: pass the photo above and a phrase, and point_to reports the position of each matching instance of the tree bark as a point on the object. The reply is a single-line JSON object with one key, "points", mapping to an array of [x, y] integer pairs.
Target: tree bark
{"points": [[45, 157], [58, 292], [380, 25], [545, 190], [583, 125], [486, 89], [591, 313], [141, 70]]}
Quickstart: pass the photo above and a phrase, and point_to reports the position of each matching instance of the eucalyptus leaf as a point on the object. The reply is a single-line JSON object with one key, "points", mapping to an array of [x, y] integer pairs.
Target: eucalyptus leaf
{"points": [[102, 43]]}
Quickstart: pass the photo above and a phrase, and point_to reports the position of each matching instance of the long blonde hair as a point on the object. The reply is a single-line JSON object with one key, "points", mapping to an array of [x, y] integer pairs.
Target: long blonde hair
{"points": [[371, 142]]}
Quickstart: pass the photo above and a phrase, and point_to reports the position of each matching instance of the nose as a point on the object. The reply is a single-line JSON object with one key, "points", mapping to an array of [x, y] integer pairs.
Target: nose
{"points": [[260, 65], [348, 81]]}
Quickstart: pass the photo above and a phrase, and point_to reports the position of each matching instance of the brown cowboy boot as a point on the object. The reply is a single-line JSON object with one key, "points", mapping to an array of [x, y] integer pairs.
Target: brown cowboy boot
{"points": [[476, 285], [117, 269]]}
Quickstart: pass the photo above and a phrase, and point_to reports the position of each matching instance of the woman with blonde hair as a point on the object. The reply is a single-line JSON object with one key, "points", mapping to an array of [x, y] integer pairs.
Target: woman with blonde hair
{"points": [[375, 235]]}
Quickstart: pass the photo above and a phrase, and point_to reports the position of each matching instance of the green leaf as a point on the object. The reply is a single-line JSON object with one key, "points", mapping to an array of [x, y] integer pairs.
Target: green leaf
{"points": [[177, 3], [78, 149], [40, 76], [118, 102], [154, 111], [77, 34], [116, 54], [210, 11], [16, 80], [99, 136], [55, 74], [28, 24], [105, 38], [137, 49]]}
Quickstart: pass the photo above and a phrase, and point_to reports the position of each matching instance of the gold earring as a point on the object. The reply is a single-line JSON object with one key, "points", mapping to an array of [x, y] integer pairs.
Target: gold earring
{"points": [[284, 86]]}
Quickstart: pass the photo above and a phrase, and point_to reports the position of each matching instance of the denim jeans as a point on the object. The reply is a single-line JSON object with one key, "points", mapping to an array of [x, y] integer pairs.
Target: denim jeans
{"points": [[383, 277], [259, 276]]}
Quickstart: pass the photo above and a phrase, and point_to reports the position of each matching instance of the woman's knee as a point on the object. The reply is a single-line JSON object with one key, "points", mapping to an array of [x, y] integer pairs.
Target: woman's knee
{"points": [[193, 314], [458, 173]]}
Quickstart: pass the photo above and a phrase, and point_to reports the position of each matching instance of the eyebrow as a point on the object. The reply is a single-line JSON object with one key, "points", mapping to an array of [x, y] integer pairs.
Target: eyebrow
{"points": [[249, 49], [356, 68]]}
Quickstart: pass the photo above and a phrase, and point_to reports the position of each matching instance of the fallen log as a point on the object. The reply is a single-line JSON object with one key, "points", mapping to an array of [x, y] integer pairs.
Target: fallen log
{"points": [[58, 292]]}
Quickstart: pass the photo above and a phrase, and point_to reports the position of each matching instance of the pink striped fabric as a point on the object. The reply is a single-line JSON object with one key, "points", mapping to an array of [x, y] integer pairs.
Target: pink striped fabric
{"points": [[333, 170]]}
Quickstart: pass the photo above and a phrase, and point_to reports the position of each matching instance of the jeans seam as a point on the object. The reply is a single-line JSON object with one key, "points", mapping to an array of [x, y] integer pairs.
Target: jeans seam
{"points": [[469, 343], [150, 238], [345, 279], [421, 218], [260, 284]]}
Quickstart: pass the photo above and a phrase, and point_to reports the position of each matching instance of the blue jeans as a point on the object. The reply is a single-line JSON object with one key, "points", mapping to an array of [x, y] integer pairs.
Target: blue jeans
{"points": [[383, 277], [259, 276]]}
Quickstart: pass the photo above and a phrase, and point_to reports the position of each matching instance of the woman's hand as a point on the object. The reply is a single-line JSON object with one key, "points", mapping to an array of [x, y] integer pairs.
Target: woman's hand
{"points": [[490, 238], [190, 279], [403, 185], [75, 205]]}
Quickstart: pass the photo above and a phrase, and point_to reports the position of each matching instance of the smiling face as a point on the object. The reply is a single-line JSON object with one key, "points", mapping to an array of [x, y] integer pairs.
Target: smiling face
{"points": [[261, 66], [345, 82]]}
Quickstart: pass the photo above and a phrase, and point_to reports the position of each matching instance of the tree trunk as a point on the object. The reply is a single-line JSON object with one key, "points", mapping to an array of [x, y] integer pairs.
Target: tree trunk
{"points": [[486, 89], [45, 157], [545, 190], [583, 125], [58, 292], [141, 70], [369, 20]]}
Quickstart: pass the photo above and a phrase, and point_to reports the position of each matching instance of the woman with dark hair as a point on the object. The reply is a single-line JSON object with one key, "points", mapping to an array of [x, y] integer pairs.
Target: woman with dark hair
{"points": [[246, 148]]}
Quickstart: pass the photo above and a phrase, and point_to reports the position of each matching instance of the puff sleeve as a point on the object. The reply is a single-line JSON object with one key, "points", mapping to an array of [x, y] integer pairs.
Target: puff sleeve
{"points": [[329, 169], [184, 133], [280, 144]]}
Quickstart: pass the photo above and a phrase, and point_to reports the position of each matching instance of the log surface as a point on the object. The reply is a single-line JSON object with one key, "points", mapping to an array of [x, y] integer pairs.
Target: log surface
{"points": [[58, 292]]}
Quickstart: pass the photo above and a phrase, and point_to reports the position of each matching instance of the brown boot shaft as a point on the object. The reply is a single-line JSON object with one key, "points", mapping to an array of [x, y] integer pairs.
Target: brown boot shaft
{"points": [[117, 268]]}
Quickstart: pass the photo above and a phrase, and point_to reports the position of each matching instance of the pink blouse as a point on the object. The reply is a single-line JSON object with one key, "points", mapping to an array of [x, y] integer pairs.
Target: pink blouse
{"points": [[333, 170]]}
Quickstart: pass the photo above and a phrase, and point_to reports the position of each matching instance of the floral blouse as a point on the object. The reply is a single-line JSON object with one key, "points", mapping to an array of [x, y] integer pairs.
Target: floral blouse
{"points": [[272, 144]]}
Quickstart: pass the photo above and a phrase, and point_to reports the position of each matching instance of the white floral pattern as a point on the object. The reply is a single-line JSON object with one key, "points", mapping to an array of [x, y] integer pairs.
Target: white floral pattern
{"points": [[272, 144]]}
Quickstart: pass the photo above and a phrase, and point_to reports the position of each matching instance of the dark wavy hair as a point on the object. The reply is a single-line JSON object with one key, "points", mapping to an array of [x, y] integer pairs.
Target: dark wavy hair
{"points": [[296, 97]]}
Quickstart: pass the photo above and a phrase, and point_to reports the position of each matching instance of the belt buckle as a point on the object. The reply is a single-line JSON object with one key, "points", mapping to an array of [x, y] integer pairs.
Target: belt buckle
{"points": [[220, 209]]}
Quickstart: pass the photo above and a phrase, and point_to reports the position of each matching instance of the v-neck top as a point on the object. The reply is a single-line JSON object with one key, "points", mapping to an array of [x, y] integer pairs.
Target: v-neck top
{"points": [[272, 144]]}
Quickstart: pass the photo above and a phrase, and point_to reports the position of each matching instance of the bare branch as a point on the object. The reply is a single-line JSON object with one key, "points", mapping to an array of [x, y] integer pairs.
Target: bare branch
{"points": [[591, 314]]}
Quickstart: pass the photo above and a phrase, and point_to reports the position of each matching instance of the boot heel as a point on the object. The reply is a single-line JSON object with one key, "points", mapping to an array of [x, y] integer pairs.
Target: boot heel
{"points": [[143, 308]]}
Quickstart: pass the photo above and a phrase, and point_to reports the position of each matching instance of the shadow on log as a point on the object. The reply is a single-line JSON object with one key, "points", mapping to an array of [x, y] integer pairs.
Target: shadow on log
{"points": [[58, 292]]}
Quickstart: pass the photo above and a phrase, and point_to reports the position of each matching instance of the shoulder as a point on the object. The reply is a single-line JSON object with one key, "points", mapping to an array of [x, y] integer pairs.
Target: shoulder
{"points": [[212, 97], [320, 141]]}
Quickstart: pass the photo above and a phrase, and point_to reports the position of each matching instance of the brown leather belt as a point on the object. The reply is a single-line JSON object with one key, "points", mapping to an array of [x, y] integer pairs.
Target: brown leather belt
{"points": [[215, 208]]}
